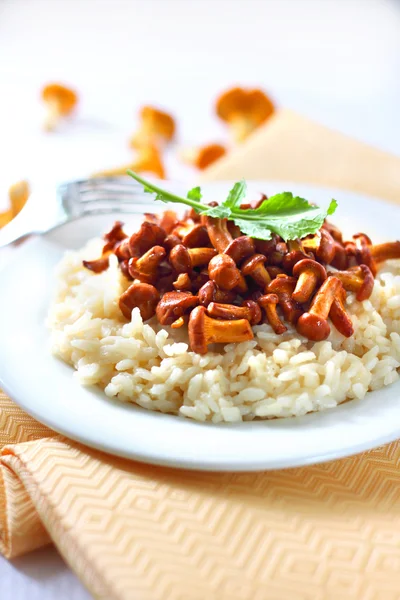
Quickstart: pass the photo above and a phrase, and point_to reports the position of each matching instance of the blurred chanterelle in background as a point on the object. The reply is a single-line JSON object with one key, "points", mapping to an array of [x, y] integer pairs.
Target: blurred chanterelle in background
{"points": [[148, 160], [60, 102], [18, 195], [203, 156], [156, 128], [244, 110]]}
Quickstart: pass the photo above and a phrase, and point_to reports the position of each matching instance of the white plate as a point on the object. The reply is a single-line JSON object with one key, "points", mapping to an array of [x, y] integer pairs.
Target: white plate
{"points": [[45, 388]]}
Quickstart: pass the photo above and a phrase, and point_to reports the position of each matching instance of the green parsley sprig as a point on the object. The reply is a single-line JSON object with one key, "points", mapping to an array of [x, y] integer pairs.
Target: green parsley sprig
{"points": [[288, 216]]}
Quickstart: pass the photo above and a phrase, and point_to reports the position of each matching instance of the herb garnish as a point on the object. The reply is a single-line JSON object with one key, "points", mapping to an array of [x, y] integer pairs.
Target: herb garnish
{"points": [[289, 216]]}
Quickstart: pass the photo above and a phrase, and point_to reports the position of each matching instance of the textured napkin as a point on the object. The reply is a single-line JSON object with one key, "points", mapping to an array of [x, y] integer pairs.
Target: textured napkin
{"points": [[133, 531]]}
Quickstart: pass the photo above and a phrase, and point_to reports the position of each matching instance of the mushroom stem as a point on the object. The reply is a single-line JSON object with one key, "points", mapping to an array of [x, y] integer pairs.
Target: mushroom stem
{"points": [[218, 233], [325, 296], [283, 286], [53, 115], [313, 324], [309, 273], [254, 267], [250, 311], [201, 256], [388, 251], [241, 127], [204, 330], [269, 303], [339, 316]]}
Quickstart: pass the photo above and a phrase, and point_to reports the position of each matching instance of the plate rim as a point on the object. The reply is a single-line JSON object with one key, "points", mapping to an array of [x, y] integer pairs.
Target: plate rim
{"points": [[197, 463]]}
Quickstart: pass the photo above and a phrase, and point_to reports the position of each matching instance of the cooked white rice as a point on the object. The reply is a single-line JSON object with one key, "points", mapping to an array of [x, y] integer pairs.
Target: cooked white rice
{"points": [[270, 376]]}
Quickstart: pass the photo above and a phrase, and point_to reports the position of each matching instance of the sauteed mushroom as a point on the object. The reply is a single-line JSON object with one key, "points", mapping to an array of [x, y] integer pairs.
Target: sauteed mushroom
{"points": [[201, 271], [204, 330]]}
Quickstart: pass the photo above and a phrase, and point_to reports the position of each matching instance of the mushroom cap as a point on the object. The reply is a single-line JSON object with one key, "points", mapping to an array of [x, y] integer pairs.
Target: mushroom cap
{"points": [[207, 292], [251, 263], [312, 327], [201, 256], [149, 161], [142, 296], [145, 268], [204, 156], [282, 284], [180, 260], [63, 96], [253, 104], [149, 235], [307, 264], [267, 300], [196, 330], [223, 270], [255, 311], [174, 305], [158, 122], [322, 244], [196, 237], [240, 248], [170, 241], [364, 238], [293, 257], [368, 282]]}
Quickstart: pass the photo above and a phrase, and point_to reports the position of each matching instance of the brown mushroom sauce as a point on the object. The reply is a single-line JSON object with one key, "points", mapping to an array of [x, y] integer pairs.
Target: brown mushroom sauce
{"points": [[202, 273]]}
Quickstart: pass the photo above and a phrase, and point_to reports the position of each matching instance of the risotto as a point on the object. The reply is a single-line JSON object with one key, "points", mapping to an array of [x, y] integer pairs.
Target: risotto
{"points": [[269, 376]]}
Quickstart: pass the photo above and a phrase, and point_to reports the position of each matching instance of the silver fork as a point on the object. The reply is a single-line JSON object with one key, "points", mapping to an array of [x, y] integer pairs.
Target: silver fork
{"points": [[45, 210]]}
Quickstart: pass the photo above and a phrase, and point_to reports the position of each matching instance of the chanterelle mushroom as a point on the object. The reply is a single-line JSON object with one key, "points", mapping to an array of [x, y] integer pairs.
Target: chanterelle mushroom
{"points": [[60, 102], [244, 110], [148, 161], [203, 157], [157, 128], [204, 330], [18, 195]]}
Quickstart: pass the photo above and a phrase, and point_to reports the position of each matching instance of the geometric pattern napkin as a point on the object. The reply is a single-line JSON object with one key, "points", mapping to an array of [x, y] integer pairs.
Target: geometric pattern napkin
{"points": [[130, 530]]}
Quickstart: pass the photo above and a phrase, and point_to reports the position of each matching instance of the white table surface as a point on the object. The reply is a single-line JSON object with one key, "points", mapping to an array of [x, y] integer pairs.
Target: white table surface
{"points": [[335, 61]]}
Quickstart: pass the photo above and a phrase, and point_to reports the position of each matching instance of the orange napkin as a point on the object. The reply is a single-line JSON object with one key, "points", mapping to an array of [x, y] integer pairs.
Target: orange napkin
{"points": [[136, 531]]}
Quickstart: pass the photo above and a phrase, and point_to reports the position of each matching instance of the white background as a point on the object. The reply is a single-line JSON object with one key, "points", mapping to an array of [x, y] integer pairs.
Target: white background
{"points": [[335, 61]]}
